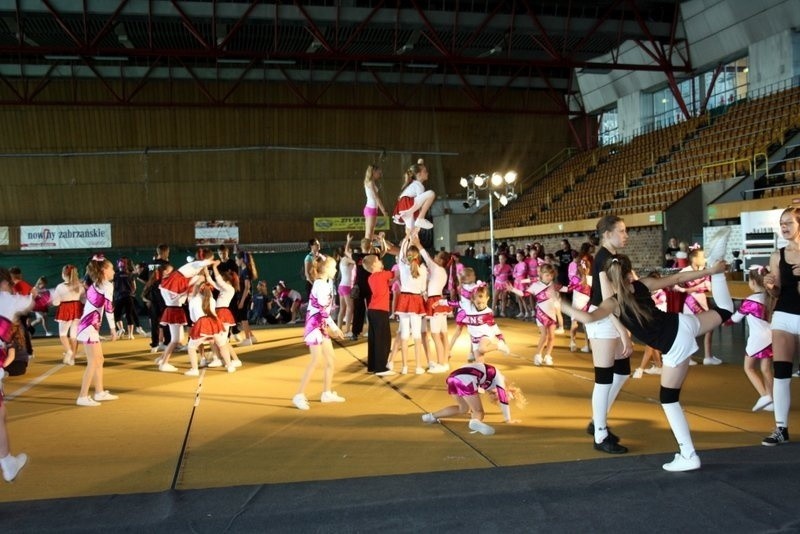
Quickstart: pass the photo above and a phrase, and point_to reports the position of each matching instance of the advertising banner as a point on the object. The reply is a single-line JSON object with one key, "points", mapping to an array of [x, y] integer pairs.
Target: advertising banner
{"points": [[65, 236], [347, 224], [216, 232]]}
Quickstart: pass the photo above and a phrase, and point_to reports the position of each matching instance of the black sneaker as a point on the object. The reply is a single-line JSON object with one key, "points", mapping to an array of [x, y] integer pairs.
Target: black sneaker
{"points": [[590, 431], [780, 435], [610, 446]]}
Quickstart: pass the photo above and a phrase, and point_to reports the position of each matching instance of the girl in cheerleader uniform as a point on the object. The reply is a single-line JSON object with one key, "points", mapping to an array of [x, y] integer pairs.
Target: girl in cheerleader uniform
{"points": [[226, 284], [696, 300], [485, 335], [756, 309], [436, 307], [465, 385], [99, 302], [41, 304], [69, 296], [414, 201], [206, 327], [411, 304], [174, 291], [518, 274], [318, 323], [502, 275], [580, 283], [545, 313], [467, 283]]}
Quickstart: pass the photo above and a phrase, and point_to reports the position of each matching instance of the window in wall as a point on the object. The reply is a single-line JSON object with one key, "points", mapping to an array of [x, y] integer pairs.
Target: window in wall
{"points": [[609, 128]]}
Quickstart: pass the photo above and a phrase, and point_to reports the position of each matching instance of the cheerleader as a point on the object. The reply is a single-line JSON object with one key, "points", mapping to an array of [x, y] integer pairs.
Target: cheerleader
{"points": [[225, 283], [414, 201], [174, 291], [580, 284], [10, 306], [502, 275], [206, 327], [372, 191], [485, 335], [68, 296], [696, 300], [41, 304], [99, 300], [545, 313], [518, 274], [318, 322], [347, 268], [411, 304], [758, 351], [465, 385], [436, 307], [467, 282]]}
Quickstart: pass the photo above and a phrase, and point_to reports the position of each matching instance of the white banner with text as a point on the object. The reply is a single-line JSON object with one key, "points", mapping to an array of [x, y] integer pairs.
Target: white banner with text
{"points": [[65, 236]]}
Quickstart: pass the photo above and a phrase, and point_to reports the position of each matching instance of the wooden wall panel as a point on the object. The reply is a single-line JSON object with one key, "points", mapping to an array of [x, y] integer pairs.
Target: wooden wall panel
{"points": [[314, 166]]}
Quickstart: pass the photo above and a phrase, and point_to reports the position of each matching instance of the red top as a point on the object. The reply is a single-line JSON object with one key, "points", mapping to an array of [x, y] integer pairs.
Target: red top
{"points": [[380, 283], [21, 287]]}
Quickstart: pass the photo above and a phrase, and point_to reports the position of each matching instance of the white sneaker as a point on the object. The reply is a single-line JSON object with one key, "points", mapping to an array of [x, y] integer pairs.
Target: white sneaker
{"points": [[230, 368], [154, 350], [331, 396], [69, 358], [141, 332], [236, 363], [573, 346], [300, 402], [423, 223], [436, 369], [246, 343], [653, 370], [638, 373], [712, 360], [167, 368], [86, 401], [586, 349], [480, 426], [796, 374], [692, 362], [216, 362], [548, 360], [429, 418], [420, 371], [388, 372], [762, 403], [121, 332], [537, 360], [12, 465], [717, 246], [192, 372], [105, 396], [161, 346], [683, 464], [404, 370], [559, 330]]}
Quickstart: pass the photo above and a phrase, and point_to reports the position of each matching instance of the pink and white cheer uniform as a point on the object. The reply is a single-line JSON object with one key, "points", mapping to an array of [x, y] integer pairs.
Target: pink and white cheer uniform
{"points": [[759, 338], [99, 299], [473, 378], [318, 314]]}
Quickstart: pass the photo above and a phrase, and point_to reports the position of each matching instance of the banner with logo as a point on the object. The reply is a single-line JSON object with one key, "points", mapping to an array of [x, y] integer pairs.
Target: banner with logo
{"points": [[3, 235], [216, 232], [64, 236], [347, 224]]}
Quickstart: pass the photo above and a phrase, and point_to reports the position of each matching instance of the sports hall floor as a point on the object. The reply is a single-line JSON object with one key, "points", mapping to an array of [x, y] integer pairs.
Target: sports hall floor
{"points": [[229, 453]]}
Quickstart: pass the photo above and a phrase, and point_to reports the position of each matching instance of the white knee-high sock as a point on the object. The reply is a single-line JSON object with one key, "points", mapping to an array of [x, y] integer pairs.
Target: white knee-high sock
{"points": [[616, 386], [680, 427], [722, 295], [781, 398], [600, 411]]}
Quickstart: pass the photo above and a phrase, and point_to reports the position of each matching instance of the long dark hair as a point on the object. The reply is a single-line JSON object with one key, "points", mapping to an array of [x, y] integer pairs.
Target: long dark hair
{"points": [[618, 268]]}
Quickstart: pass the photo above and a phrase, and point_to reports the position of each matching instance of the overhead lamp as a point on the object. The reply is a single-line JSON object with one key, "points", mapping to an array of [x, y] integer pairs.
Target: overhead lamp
{"points": [[497, 179], [62, 58], [479, 180], [279, 62], [422, 65], [464, 182], [232, 60], [510, 177], [109, 58], [379, 64]]}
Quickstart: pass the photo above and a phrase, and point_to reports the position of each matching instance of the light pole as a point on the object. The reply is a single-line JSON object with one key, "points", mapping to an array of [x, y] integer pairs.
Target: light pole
{"points": [[493, 184]]}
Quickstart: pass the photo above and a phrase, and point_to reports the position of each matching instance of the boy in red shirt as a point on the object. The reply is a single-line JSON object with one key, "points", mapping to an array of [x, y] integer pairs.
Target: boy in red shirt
{"points": [[379, 340]]}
